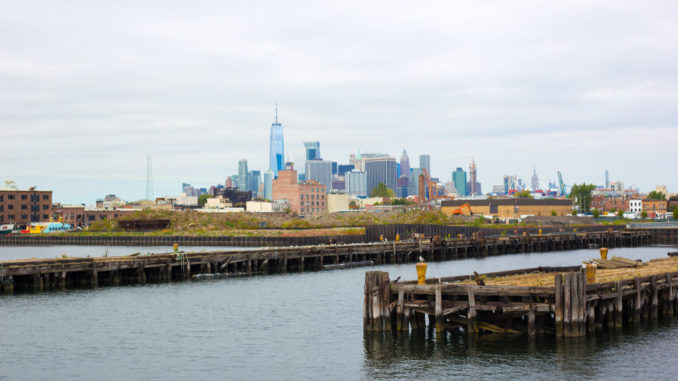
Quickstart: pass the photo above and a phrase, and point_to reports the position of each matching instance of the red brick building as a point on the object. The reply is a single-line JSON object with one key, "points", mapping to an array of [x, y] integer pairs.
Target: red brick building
{"points": [[606, 204], [305, 199], [25, 206], [77, 215], [653, 207]]}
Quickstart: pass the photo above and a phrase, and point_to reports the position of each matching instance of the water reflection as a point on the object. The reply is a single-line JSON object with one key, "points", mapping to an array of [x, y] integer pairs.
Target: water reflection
{"points": [[425, 354]]}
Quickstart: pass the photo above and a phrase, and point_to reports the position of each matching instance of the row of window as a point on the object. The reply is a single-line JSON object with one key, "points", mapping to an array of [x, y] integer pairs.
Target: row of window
{"points": [[311, 210], [34, 208], [34, 217], [313, 197], [34, 197], [316, 189]]}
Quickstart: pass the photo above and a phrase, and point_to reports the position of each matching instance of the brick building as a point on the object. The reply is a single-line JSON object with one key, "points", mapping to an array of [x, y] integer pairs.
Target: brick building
{"points": [[653, 207], [25, 206], [606, 204], [305, 198], [510, 208], [78, 215]]}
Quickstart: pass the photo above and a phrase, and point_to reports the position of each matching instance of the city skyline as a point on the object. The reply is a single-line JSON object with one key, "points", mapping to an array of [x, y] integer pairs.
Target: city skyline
{"points": [[85, 99]]}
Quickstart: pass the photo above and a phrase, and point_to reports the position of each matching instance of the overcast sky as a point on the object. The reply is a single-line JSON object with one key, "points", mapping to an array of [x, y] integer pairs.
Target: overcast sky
{"points": [[88, 89]]}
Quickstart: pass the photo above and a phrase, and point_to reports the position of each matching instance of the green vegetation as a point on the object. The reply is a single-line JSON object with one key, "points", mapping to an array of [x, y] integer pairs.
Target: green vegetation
{"points": [[643, 214], [573, 212], [523, 194], [401, 201], [582, 196], [657, 196], [202, 199], [596, 213], [620, 213], [554, 213], [381, 190], [675, 212]]}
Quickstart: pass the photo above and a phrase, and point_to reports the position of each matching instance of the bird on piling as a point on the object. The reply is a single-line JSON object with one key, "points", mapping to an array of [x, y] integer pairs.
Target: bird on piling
{"points": [[396, 280], [478, 279], [421, 259]]}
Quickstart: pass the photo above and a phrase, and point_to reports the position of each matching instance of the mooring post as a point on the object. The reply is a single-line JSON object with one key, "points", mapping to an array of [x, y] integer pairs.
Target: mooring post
{"points": [[376, 314], [567, 305], [618, 307], [575, 304], [559, 304], [638, 301], [654, 300], [472, 324], [668, 296], [400, 324], [440, 320]]}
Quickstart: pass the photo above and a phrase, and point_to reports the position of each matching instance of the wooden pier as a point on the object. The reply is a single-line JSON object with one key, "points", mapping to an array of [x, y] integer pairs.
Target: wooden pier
{"points": [[64, 273], [538, 301]]}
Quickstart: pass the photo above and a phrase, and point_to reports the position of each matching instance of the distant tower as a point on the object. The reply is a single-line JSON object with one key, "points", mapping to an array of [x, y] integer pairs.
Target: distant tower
{"points": [[425, 163], [312, 150], [242, 174], [277, 146], [404, 165], [473, 184], [535, 179], [607, 179], [149, 178]]}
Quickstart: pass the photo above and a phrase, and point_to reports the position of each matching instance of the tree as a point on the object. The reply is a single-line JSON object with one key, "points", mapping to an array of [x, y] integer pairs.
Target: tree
{"points": [[657, 196], [596, 213], [202, 199], [573, 212], [675, 212], [582, 195], [523, 194], [554, 213], [643, 214], [381, 190], [620, 213]]}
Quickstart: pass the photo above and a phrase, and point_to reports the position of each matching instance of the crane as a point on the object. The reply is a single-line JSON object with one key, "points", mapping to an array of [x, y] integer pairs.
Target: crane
{"points": [[561, 185], [425, 184]]}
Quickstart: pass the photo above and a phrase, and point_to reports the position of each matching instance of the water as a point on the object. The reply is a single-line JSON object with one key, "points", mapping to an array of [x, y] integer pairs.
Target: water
{"points": [[298, 326], [26, 252]]}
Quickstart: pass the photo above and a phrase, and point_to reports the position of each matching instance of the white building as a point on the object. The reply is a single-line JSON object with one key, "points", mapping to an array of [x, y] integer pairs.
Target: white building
{"points": [[636, 206], [356, 183]]}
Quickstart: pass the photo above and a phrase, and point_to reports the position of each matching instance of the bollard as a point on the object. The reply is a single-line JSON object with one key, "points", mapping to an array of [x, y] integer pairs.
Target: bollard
{"points": [[381, 237], [603, 253], [421, 272], [591, 273], [397, 237], [539, 231], [175, 247]]}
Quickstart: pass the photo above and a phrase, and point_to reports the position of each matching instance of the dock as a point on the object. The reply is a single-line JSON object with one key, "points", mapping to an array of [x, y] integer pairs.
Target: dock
{"points": [[556, 301], [65, 273]]}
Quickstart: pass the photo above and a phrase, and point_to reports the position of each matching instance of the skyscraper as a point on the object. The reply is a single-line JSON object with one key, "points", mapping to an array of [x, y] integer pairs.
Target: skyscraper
{"points": [[607, 179], [473, 181], [413, 182], [356, 183], [459, 178], [312, 150], [253, 179], [425, 163], [320, 171], [242, 175], [268, 185], [277, 147], [404, 165], [535, 180], [381, 170]]}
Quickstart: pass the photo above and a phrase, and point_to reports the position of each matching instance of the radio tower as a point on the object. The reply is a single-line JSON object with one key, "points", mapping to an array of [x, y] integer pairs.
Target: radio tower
{"points": [[149, 178]]}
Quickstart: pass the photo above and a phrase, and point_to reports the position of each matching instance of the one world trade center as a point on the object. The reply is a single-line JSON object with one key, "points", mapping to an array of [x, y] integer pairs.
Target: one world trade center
{"points": [[277, 147]]}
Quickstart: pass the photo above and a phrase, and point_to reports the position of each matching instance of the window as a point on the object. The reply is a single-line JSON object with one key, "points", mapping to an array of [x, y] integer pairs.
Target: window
{"points": [[10, 197], [302, 196], [24, 207], [24, 197], [45, 207], [45, 217], [10, 206], [11, 217], [312, 196], [24, 216], [45, 197]]}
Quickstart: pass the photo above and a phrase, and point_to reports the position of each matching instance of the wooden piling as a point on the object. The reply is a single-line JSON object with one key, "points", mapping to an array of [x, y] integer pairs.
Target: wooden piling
{"points": [[567, 305], [638, 300], [439, 318], [376, 311], [654, 299], [472, 324], [618, 306], [559, 304]]}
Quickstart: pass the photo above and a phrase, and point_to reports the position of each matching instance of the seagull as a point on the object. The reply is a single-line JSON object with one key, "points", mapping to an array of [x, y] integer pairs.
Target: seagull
{"points": [[421, 259]]}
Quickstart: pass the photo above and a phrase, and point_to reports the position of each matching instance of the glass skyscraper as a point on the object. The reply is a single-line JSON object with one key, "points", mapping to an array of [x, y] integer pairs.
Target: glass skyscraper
{"points": [[459, 178], [312, 150], [277, 147]]}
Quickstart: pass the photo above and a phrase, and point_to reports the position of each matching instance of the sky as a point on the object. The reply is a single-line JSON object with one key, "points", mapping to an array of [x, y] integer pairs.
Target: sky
{"points": [[89, 88]]}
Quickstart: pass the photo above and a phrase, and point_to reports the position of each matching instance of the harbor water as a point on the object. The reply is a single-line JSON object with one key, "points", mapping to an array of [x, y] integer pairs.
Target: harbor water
{"points": [[300, 326]]}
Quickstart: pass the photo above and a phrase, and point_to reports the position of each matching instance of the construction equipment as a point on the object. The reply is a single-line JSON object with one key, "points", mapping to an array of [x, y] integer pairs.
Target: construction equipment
{"points": [[561, 184], [425, 184], [460, 210]]}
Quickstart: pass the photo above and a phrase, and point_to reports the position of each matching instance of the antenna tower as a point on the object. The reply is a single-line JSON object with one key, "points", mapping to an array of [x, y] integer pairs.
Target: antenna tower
{"points": [[149, 178]]}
